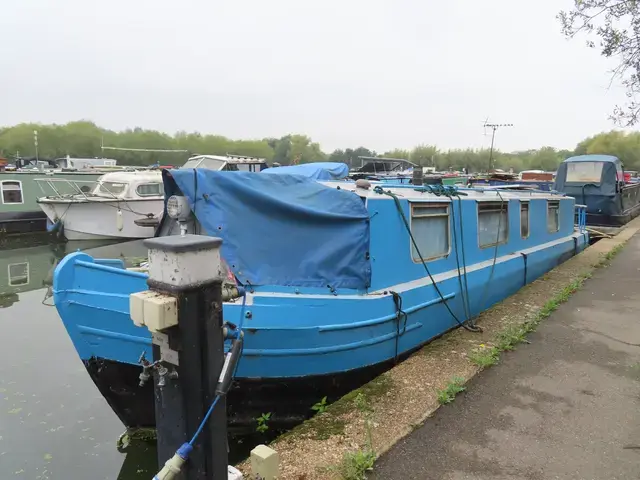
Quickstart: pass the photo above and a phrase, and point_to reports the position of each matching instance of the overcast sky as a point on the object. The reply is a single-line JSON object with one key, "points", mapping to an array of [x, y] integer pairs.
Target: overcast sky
{"points": [[382, 74]]}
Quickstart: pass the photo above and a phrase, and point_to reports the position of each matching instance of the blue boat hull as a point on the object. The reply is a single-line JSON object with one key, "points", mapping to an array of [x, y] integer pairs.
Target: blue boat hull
{"points": [[298, 342]]}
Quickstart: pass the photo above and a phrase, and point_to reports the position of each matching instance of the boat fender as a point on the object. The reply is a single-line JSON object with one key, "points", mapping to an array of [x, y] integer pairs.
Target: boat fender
{"points": [[119, 221], [52, 227]]}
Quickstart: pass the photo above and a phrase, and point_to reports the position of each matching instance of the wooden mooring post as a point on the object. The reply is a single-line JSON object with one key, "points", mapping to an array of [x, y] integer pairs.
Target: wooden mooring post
{"points": [[183, 310]]}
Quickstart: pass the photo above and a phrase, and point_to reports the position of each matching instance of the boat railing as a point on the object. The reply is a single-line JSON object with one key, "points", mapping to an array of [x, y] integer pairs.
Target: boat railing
{"points": [[581, 217], [69, 187]]}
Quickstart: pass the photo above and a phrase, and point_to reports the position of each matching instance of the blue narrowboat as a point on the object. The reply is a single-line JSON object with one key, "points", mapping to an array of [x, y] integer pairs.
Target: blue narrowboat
{"points": [[342, 279], [598, 181]]}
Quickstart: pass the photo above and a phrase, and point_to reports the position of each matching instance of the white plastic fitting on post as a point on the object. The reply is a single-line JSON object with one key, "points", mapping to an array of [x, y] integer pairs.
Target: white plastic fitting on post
{"points": [[171, 468]]}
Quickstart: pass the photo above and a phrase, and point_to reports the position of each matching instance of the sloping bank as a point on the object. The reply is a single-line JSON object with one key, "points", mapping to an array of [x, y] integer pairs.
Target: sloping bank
{"points": [[344, 440]]}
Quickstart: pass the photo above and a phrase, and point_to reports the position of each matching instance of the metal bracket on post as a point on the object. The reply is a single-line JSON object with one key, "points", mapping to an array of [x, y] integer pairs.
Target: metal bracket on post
{"points": [[183, 310]]}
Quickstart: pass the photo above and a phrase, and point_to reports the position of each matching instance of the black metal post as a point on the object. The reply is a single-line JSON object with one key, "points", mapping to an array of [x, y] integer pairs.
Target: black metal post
{"points": [[196, 344]]}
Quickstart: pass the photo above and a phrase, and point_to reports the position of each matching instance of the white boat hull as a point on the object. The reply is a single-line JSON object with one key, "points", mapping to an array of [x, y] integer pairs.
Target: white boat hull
{"points": [[93, 220]]}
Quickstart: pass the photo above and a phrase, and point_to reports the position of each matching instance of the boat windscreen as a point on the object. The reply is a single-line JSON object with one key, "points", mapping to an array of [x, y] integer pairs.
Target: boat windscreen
{"points": [[584, 172], [111, 188], [204, 162]]}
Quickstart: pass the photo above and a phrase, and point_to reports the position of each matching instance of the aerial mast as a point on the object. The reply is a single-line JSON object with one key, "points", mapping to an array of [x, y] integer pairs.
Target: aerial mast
{"points": [[494, 127]]}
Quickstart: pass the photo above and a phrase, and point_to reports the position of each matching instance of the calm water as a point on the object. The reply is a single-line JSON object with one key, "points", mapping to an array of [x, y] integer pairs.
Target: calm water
{"points": [[54, 424]]}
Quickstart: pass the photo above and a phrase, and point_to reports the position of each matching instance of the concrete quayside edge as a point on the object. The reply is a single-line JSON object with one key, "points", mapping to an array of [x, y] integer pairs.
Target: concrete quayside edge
{"points": [[405, 396]]}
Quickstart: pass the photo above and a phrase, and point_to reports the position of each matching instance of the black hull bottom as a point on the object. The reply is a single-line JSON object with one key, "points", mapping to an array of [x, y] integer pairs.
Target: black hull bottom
{"points": [[289, 401], [600, 220], [17, 223]]}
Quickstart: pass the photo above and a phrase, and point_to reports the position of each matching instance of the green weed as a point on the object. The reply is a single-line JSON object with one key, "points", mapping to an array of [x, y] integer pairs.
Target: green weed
{"points": [[355, 465], [321, 406], [263, 421], [454, 387]]}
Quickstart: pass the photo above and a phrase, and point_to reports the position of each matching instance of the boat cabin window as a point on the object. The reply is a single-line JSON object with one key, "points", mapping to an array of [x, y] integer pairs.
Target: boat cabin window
{"points": [[11, 192], [584, 172], [204, 162], [553, 216], [150, 189], [249, 167], [524, 219], [430, 229], [18, 274], [490, 216], [111, 188]]}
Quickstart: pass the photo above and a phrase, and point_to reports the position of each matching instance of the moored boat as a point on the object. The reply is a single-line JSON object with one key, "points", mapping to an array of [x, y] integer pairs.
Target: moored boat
{"points": [[110, 209], [598, 181], [342, 278], [122, 204], [531, 179], [19, 191]]}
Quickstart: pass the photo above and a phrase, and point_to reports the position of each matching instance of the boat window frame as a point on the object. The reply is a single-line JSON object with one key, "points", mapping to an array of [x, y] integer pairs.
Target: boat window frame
{"points": [[106, 193], [500, 206], [422, 205], [553, 204], [160, 189], [528, 208], [19, 182], [9, 276]]}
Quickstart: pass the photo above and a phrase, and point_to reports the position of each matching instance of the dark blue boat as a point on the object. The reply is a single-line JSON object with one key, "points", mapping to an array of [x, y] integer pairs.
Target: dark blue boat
{"points": [[597, 181]]}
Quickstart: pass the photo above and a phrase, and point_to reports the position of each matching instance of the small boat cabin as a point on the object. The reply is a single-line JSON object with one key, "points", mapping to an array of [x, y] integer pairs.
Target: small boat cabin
{"points": [[138, 185], [598, 181]]}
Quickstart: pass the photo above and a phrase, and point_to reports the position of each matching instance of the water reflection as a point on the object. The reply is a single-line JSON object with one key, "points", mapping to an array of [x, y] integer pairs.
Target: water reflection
{"points": [[54, 424], [24, 269]]}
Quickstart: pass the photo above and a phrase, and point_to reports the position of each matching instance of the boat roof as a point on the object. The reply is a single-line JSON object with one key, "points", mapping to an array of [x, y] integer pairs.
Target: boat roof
{"points": [[414, 193], [593, 158], [315, 170], [128, 177], [229, 158]]}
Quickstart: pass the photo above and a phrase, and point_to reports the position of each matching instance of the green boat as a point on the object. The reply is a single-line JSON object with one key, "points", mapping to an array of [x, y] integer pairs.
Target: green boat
{"points": [[454, 180], [29, 180], [19, 212]]}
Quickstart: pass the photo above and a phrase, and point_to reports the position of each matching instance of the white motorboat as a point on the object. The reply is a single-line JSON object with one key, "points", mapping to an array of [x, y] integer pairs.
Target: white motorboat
{"points": [[124, 204], [110, 208]]}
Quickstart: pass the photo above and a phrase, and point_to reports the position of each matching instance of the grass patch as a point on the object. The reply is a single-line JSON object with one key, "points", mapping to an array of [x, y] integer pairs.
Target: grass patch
{"points": [[511, 336], [607, 257], [370, 391], [329, 427], [355, 465], [507, 339], [454, 387], [329, 422], [484, 357], [561, 297]]}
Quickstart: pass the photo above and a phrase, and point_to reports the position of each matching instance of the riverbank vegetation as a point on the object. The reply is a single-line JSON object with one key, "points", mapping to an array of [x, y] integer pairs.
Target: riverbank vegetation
{"points": [[85, 139]]}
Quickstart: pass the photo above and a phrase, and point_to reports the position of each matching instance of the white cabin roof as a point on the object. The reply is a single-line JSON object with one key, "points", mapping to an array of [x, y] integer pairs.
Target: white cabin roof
{"points": [[229, 158], [137, 176]]}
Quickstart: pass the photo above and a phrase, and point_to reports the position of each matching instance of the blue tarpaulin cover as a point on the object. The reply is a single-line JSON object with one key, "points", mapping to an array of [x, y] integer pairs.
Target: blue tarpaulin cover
{"points": [[280, 229], [316, 171]]}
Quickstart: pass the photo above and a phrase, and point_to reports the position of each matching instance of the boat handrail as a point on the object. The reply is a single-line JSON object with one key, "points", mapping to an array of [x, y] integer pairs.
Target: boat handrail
{"points": [[581, 217], [71, 183]]}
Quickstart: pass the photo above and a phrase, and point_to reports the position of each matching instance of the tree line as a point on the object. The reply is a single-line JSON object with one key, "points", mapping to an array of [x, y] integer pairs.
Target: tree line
{"points": [[86, 139]]}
